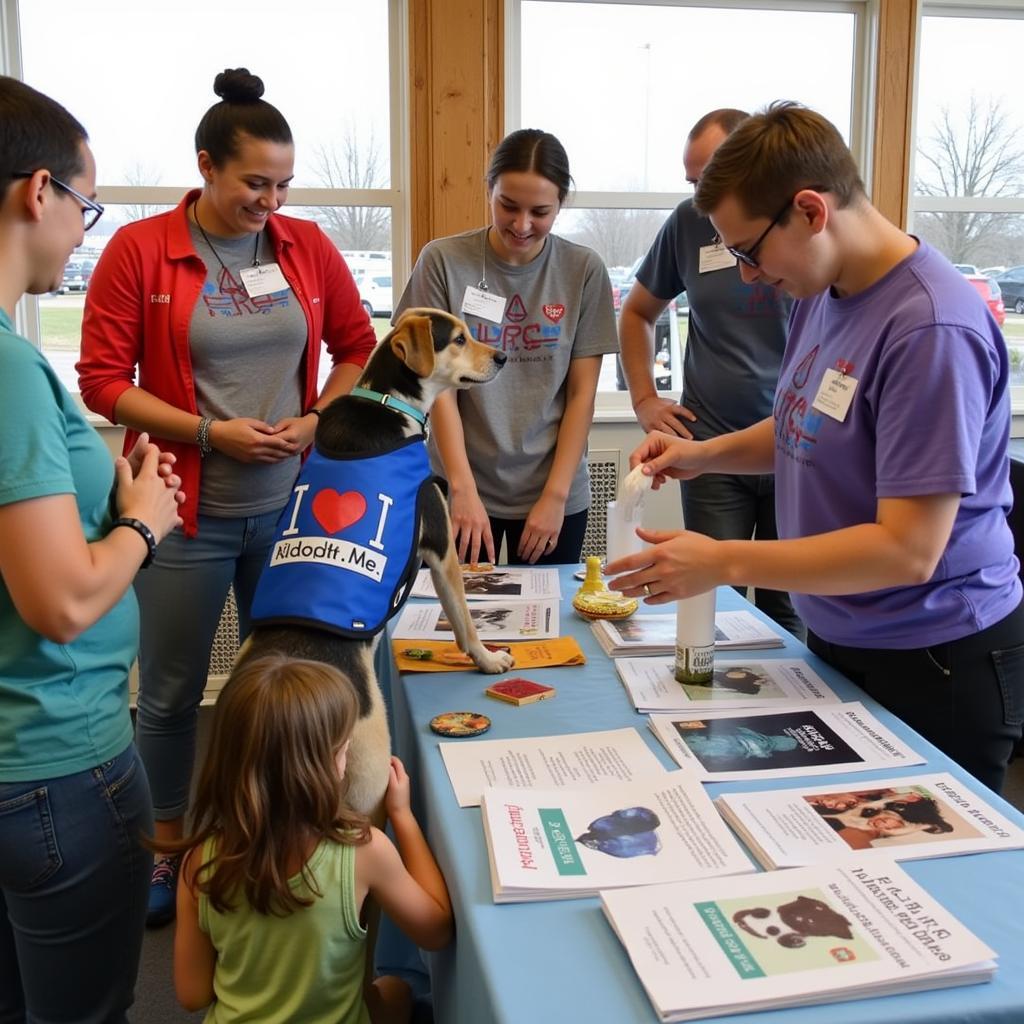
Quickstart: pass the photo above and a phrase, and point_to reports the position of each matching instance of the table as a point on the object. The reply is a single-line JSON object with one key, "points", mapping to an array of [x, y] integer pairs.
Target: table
{"points": [[543, 962]]}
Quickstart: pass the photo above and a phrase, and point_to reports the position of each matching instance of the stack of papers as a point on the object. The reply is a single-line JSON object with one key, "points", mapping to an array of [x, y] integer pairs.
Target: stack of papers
{"points": [[565, 843], [499, 584], [794, 938], [656, 634], [905, 818], [719, 746], [783, 682], [494, 620]]}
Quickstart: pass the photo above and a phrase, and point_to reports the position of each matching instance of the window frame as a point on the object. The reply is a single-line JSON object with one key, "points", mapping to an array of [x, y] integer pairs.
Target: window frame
{"points": [[614, 406], [395, 198]]}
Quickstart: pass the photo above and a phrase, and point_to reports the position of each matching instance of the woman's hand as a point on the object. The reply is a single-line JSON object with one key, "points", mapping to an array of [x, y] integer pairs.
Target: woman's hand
{"points": [[147, 494], [298, 430], [543, 526], [680, 564], [471, 527], [251, 440], [396, 799], [165, 462], [665, 455]]}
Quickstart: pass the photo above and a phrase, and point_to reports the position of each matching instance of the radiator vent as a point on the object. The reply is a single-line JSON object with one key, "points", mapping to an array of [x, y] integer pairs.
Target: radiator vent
{"points": [[604, 486], [225, 643]]}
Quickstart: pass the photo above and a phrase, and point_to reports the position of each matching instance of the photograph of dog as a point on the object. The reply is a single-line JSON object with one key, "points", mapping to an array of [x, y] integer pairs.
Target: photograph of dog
{"points": [[344, 573]]}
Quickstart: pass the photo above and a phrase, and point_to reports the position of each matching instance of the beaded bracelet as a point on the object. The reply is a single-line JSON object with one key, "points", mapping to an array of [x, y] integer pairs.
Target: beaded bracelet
{"points": [[143, 531], [203, 436]]}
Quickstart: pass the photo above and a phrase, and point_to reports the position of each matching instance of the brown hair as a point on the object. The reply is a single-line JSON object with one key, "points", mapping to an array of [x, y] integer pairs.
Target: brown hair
{"points": [[269, 789], [773, 154], [530, 149], [726, 118]]}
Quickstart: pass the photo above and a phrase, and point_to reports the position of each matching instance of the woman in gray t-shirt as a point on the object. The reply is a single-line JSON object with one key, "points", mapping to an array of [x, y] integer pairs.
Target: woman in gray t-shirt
{"points": [[514, 451]]}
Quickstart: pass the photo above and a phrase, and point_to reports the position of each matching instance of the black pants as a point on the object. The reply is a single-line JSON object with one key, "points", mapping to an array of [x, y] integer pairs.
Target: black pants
{"points": [[566, 550], [966, 697]]}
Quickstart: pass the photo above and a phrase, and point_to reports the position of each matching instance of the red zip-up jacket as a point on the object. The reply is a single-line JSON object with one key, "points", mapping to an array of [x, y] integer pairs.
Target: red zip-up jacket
{"points": [[139, 306]]}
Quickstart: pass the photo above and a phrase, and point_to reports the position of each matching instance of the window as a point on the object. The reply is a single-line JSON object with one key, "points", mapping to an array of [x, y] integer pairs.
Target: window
{"points": [[621, 84], [968, 175], [141, 92]]}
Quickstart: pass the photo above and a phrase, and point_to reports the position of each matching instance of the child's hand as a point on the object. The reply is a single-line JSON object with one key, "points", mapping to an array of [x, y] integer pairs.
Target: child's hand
{"points": [[396, 800]]}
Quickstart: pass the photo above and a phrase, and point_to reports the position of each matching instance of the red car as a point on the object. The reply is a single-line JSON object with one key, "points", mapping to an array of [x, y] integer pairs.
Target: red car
{"points": [[989, 291]]}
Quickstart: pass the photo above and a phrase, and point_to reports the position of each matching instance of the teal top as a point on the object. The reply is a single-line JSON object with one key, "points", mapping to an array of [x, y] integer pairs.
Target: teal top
{"points": [[306, 966], [63, 707]]}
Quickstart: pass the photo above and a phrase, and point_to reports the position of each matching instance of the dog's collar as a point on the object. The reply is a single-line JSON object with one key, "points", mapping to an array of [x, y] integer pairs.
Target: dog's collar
{"points": [[382, 399]]}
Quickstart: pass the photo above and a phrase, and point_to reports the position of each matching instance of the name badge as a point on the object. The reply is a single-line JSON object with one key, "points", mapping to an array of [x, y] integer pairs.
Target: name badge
{"points": [[262, 280], [835, 394], [485, 305], [715, 257]]}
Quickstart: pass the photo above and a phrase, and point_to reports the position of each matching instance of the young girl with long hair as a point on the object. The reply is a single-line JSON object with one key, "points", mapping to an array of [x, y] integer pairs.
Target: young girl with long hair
{"points": [[277, 867]]}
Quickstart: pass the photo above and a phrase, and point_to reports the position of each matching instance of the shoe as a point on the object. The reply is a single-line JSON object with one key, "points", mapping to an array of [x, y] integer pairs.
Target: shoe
{"points": [[163, 891]]}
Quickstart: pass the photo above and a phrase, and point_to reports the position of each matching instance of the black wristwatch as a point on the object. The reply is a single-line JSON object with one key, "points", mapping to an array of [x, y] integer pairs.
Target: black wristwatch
{"points": [[143, 531]]}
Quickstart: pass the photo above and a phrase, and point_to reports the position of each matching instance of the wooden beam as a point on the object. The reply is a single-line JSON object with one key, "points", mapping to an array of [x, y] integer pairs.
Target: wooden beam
{"points": [[456, 112]]}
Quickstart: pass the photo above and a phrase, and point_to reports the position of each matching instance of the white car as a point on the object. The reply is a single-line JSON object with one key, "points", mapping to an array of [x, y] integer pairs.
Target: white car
{"points": [[375, 290]]}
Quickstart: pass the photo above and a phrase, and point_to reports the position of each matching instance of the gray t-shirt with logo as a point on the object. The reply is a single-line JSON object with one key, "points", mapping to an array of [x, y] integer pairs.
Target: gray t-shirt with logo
{"points": [[736, 334], [558, 308], [248, 358]]}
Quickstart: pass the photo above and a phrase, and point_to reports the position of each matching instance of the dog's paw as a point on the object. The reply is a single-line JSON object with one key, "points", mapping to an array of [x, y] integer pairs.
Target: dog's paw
{"points": [[492, 662]]}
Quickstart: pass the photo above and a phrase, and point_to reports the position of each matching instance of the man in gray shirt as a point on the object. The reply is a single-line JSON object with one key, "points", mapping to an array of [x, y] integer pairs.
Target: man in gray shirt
{"points": [[734, 345]]}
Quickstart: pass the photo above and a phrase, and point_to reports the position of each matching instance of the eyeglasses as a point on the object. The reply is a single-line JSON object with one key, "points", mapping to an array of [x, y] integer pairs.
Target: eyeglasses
{"points": [[746, 256], [91, 210]]}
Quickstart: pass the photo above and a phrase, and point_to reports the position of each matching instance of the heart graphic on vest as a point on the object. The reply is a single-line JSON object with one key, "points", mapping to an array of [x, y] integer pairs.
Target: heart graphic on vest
{"points": [[334, 511]]}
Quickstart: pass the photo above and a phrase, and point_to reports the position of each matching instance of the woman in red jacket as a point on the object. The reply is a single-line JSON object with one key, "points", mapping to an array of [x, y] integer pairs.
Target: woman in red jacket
{"points": [[220, 306]]}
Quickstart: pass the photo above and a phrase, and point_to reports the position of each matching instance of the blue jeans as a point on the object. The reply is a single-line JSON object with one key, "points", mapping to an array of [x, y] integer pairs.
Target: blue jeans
{"points": [[74, 881], [738, 508], [181, 597]]}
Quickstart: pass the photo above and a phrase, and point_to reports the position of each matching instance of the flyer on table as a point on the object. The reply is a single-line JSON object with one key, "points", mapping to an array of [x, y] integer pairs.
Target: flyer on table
{"points": [[905, 818], [768, 744], [553, 844], [547, 762], [499, 584], [652, 686], [494, 620], [656, 634]]}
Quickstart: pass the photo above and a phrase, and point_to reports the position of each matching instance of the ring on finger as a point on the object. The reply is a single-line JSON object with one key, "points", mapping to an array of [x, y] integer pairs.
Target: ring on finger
{"points": [[647, 590]]}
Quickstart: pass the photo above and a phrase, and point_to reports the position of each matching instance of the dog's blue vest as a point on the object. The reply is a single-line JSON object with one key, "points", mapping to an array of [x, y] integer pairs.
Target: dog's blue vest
{"points": [[345, 547]]}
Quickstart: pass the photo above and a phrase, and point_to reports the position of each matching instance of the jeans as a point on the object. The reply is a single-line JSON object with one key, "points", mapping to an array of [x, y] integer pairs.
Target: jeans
{"points": [[181, 597], [567, 548], [738, 508], [966, 697], [74, 881]]}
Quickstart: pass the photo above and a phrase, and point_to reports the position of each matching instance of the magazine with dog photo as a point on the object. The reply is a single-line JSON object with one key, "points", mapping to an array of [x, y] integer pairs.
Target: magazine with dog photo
{"points": [[904, 818], [778, 682], [496, 621], [642, 635], [556, 844], [501, 583], [570, 761], [770, 744], [791, 938]]}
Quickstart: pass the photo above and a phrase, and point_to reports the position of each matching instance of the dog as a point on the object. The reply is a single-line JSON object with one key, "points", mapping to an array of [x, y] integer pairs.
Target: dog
{"points": [[346, 552], [790, 924]]}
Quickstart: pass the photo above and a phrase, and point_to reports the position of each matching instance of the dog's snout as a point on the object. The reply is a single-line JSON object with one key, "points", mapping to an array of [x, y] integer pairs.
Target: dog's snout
{"points": [[500, 358]]}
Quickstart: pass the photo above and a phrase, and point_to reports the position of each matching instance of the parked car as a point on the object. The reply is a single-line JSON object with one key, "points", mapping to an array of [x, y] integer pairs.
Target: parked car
{"points": [[992, 271], [375, 290], [1011, 284], [989, 291], [967, 268], [76, 277]]}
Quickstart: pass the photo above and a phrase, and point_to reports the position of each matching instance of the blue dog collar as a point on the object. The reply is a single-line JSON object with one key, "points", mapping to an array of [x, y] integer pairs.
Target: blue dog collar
{"points": [[390, 400]]}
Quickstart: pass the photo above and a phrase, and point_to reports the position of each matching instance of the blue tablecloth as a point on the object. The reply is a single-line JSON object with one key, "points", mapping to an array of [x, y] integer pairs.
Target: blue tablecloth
{"points": [[542, 962]]}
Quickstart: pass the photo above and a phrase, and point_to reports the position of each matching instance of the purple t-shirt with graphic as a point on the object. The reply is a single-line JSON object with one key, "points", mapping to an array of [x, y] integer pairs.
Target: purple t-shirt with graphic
{"points": [[930, 414]]}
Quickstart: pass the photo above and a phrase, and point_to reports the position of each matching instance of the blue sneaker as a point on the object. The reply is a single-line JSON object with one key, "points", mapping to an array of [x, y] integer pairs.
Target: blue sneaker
{"points": [[163, 890]]}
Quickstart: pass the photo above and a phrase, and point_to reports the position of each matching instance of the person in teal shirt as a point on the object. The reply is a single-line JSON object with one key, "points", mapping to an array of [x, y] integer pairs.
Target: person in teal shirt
{"points": [[74, 529]]}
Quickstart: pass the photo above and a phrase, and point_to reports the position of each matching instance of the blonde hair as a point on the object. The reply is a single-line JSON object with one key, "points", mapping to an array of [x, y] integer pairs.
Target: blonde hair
{"points": [[269, 789], [772, 155]]}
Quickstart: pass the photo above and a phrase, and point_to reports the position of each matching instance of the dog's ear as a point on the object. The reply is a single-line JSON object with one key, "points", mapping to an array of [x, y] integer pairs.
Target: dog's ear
{"points": [[413, 343]]}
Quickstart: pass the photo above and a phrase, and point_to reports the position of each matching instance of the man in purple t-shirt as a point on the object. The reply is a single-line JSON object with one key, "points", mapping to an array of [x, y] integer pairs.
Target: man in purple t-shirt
{"points": [[888, 441]]}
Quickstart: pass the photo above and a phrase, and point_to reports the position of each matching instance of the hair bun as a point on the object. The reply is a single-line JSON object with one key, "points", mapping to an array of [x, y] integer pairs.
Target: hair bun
{"points": [[236, 85]]}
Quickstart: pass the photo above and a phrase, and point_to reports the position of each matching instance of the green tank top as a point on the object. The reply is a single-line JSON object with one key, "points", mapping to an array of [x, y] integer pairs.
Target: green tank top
{"points": [[307, 966]]}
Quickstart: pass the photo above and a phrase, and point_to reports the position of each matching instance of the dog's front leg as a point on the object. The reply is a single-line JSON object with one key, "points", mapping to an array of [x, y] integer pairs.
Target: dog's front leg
{"points": [[447, 579]]}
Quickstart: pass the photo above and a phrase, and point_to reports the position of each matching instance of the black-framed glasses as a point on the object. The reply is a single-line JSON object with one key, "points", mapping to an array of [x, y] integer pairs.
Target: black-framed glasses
{"points": [[746, 256], [91, 210]]}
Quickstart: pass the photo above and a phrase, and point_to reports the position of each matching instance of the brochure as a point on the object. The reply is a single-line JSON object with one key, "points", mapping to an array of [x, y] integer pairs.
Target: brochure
{"points": [[656, 634], [904, 818], [555, 844], [503, 583], [570, 761], [783, 682], [495, 620], [791, 938], [769, 744], [442, 656]]}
